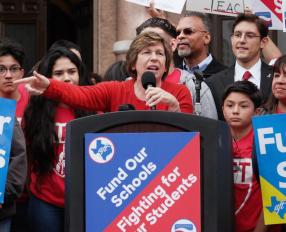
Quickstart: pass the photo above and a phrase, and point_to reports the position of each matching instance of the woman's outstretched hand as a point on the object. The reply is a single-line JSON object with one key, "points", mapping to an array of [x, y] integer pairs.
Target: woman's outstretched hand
{"points": [[36, 84]]}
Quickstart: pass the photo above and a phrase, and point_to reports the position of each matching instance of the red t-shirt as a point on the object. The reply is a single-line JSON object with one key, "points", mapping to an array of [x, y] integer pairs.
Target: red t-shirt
{"points": [[52, 187], [248, 201], [108, 96]]}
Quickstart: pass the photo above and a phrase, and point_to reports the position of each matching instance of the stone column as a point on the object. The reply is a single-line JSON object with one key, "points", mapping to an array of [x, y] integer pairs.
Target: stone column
{"points": [[129, 16]]}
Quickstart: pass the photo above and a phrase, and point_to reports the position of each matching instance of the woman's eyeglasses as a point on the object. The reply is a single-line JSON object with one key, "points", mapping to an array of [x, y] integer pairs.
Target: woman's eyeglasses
{"points": [[187, 31]]}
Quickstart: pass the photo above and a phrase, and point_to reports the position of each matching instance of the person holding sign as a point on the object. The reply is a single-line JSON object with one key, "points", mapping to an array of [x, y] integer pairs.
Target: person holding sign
{"points": [[241, 100], [148, 52], [44, 124], [16, 178]]}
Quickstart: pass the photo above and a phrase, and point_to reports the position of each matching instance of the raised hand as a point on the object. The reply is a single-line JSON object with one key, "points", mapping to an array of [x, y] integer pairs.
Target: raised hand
{"points": [[155, 95], [36, 84], [155, 13]]}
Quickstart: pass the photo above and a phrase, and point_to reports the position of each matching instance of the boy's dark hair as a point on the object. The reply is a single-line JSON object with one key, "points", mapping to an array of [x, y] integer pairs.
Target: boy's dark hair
{"points": [[251, 18], [66, 44], [247, 88], [164, 24], [12, 48]]}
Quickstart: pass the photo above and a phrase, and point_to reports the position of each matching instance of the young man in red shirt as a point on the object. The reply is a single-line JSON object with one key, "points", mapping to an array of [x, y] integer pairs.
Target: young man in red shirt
{"points": [[241, 101]]}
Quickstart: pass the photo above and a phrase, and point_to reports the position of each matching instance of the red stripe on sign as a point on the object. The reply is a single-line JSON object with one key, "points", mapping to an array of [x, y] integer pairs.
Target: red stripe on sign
{"points": [[172, 195], [274, 8]]}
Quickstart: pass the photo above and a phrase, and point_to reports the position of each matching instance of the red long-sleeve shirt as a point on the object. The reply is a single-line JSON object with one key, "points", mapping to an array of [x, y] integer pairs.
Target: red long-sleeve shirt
{"points": [[108, 96]]}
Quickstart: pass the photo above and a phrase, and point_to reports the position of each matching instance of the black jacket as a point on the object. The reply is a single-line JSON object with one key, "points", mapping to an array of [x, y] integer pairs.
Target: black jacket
{"points": [[218, 83], [213, 68]]}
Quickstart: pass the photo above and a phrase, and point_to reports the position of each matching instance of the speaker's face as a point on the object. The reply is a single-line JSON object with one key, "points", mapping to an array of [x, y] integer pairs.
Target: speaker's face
{"points": [[151, 59]]}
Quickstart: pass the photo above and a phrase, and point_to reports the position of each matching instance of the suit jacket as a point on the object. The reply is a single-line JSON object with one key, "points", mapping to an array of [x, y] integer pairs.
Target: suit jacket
{"points": [[218, 83], [213, 68]]}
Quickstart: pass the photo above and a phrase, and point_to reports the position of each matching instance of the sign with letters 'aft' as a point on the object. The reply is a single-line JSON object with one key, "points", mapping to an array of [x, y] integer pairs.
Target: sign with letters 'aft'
{"points": [[270, 142], [142, 182], [7, 117]]}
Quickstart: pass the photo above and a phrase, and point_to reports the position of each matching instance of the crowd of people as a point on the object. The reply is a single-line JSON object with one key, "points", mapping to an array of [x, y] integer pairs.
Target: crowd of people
{"points": [[59, 89]]}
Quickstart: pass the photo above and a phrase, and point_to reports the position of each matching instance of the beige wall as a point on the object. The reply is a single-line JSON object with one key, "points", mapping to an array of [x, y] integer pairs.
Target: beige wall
{"points": [[115, 21]]}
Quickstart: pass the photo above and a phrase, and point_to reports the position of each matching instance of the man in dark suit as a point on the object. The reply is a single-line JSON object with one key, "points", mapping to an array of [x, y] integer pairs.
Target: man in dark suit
{"points": [[249, 36], [193, 41]]}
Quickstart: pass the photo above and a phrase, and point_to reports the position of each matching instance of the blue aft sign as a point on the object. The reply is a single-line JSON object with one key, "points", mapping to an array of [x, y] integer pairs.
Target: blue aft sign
{"points": [[7, 117]]}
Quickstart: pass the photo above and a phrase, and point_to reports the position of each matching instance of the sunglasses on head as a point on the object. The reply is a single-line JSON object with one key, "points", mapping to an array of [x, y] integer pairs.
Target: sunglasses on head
{"points": [[187, 31]]}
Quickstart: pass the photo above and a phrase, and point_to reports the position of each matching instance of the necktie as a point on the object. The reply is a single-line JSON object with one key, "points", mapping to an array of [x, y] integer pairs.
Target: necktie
{"points": [[246, 76]]}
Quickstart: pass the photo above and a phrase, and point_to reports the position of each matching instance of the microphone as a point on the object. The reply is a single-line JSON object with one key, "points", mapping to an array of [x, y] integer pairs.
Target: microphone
{"points": [[198, 81], [126, 107], [198, 85], [148, 80]]}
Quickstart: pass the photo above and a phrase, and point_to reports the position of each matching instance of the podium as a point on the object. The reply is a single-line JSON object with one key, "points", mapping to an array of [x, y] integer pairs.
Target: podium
{"points": [[216, 161]]}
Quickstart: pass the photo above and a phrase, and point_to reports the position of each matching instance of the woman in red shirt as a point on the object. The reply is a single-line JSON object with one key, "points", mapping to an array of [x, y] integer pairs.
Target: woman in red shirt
{"points": [[45, 128], [148, 52]]}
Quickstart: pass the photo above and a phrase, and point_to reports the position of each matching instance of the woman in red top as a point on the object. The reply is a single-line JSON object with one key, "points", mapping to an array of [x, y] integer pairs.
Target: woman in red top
{"points": [[277, 100], [148, 52], [45, 128]]}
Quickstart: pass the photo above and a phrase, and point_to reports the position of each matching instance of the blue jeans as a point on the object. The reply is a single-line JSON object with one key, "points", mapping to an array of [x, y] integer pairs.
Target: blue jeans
{"points": [[5, 225], [45, 217]]}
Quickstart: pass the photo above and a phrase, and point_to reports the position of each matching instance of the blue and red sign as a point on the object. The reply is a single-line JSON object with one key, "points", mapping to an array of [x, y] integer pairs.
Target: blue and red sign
{"points": [[270, 142], [143, 182]]}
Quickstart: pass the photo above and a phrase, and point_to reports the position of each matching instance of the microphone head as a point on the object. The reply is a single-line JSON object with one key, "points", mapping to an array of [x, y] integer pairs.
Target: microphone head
{"points": [[199, 74], [148, 79]]}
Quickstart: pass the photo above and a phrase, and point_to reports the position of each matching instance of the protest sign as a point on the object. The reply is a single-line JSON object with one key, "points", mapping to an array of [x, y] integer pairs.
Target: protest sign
{"points": [[143, 182], [221, 7], [272, 11], [166, 5], [7, 115], [270, 143]]}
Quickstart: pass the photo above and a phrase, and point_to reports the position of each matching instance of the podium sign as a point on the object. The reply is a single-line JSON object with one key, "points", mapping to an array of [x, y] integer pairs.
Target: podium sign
{"points": [[142, 182]]}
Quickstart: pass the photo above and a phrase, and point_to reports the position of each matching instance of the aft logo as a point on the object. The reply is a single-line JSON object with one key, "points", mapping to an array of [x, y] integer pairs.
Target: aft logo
{"points": [[183, 225], [266, 16], [101, 150]]}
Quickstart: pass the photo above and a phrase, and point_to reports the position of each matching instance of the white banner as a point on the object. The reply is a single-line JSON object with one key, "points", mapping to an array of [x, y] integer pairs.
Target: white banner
{"points": [[221, 7], [174, 6]]}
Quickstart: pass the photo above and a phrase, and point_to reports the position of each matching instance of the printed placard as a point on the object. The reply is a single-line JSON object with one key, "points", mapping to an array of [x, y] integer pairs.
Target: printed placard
{"points": [[270, 142], [142, 182], [221, 7], [7, 117]]}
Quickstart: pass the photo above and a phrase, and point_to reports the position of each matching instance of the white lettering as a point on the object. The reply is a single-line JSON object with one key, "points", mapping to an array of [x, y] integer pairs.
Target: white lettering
{"points": [[4, 120], [281, 169], [264, 141]]}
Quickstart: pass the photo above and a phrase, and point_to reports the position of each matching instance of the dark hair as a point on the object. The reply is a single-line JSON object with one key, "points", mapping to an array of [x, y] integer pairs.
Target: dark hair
{"points": [[39, 115], [116, 72], [66, 44], [164, 24], [142, 41], [204, 17], [95, 78], [247, 88], [272, 102], [251, 18], [12, 48]]}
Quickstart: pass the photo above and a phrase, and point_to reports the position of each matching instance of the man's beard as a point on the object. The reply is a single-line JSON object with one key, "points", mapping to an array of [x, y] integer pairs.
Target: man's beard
{"points": [[184, 53]]}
